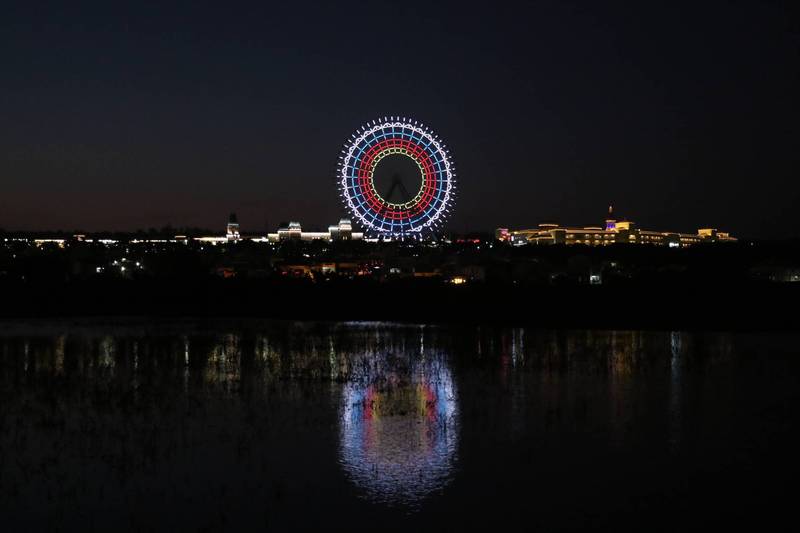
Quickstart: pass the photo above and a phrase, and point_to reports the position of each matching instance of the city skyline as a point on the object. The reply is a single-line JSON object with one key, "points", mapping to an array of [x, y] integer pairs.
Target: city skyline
{"points": [[124, 118], [271, 231]]}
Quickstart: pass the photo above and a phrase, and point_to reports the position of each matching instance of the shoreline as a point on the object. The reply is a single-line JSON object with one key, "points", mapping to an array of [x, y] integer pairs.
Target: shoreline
{"points": [[756, 306]]}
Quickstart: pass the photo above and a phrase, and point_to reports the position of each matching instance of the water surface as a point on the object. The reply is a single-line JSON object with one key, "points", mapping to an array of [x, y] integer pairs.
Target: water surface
{"points": [[258, 425]]}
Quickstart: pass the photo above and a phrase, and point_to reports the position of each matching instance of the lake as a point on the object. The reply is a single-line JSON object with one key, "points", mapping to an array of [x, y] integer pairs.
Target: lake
{"points": [[254, 425]]}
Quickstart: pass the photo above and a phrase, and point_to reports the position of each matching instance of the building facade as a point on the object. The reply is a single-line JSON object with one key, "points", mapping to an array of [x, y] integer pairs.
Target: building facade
{"points": [[232, 229], [343, 231], [614, 231]]}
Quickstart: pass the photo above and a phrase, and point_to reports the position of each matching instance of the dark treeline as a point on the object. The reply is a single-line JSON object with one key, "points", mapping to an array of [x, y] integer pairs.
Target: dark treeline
{"points": [[164, 232], [666, 306], [743, 285]]}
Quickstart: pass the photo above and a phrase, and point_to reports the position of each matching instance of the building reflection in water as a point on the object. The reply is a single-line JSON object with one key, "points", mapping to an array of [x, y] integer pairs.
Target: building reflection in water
{"points": [[399, 425], [676, 370]]}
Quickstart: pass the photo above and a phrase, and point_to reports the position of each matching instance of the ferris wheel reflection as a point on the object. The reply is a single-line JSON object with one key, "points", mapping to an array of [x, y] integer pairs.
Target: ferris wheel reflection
{"points": [[399, 429]]}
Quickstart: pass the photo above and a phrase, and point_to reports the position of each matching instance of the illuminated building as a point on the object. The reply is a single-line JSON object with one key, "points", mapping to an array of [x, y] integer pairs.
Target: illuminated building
{"points": [[343, 231], [232, 229], [42, 242], [291, 232], [614, 231]]}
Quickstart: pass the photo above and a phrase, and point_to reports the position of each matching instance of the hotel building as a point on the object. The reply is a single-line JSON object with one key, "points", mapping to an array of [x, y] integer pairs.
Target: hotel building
{"points": [[613, 232], [343, 231]]}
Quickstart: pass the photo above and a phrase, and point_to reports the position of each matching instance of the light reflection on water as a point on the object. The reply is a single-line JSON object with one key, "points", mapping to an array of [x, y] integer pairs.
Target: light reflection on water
{"points": [[399, 426], [275, 425]]}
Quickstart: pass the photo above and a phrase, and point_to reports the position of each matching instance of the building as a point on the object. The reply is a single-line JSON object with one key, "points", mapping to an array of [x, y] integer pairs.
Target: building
{"points": [[232, 229], [343, 231], [293, 231], [614, 231]]}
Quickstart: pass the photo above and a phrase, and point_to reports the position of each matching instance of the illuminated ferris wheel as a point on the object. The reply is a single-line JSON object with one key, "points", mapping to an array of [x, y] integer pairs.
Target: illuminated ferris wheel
{"points": [[397, 178]]}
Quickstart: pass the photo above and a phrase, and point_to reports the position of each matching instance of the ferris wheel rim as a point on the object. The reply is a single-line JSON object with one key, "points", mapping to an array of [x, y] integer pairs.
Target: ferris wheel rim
{"points": [[360, 155]]}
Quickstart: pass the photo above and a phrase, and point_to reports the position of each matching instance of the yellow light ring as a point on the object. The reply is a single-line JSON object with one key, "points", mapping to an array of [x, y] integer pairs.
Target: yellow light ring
{"points": [[394, 151]]}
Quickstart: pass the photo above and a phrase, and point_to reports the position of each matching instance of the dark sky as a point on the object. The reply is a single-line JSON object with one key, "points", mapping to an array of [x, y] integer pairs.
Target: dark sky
{"points": [[682, 116]]}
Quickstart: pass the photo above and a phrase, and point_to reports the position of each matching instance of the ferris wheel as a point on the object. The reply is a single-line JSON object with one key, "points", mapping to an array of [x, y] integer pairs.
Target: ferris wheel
{"points": [[413, 203]]}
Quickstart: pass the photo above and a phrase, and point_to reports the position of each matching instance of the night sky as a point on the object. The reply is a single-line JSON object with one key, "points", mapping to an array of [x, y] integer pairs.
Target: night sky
{"points": [[682, 116]]}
